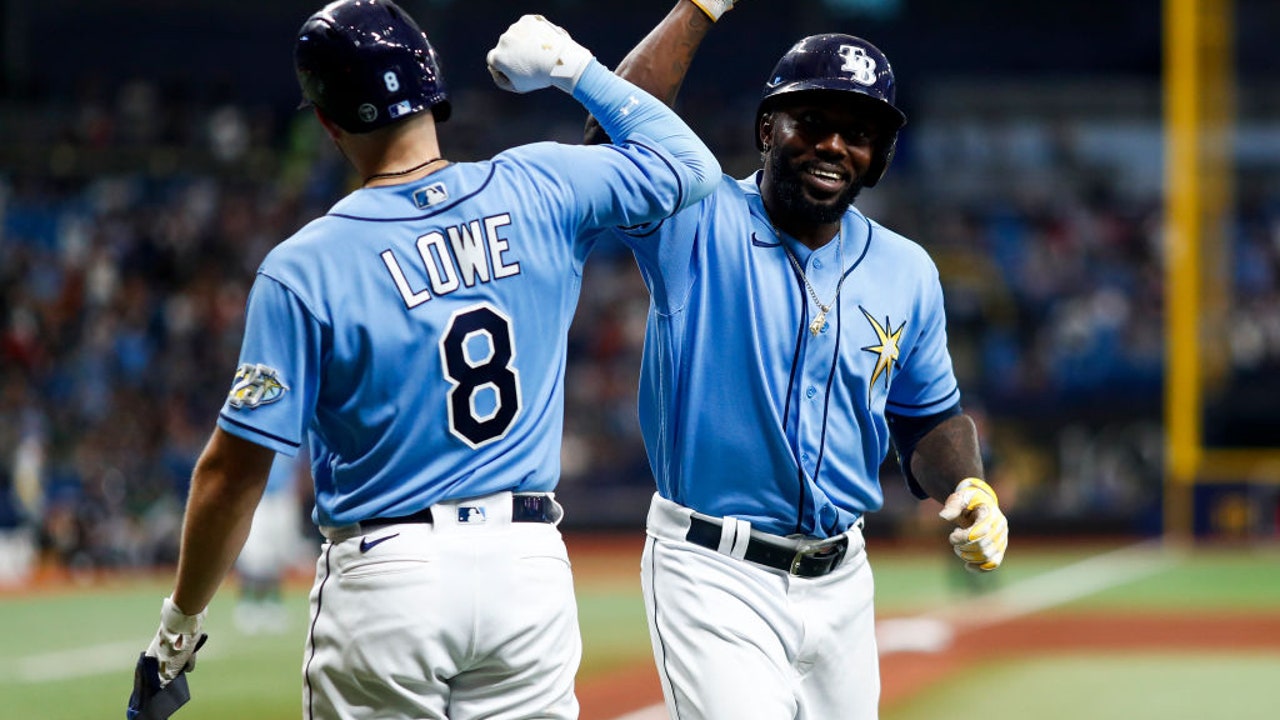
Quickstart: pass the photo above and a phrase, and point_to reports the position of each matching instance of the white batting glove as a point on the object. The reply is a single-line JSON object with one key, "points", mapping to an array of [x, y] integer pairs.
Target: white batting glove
{"points": [[534, 53], [176, 642], [983, 532], [714, 8]]}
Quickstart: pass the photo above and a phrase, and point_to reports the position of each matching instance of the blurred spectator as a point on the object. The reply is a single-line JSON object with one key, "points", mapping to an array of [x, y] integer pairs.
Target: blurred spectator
{"points": [[274, 547]]}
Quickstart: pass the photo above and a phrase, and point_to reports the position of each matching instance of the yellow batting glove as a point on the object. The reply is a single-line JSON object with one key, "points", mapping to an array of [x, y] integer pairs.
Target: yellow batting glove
{"points": [[714, 8], [983, 532]]}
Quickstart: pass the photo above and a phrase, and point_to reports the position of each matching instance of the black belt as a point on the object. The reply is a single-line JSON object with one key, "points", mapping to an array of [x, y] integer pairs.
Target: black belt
{"points": [[524, 509], [796, 557]]}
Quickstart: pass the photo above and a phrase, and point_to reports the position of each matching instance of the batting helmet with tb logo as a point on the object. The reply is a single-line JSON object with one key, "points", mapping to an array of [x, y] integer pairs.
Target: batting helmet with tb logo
{"points": [[840, 63]]}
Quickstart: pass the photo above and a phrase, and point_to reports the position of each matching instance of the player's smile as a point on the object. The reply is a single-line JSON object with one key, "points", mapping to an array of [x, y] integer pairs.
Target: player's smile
{"points": [[819, 147], [805, 184], [824, 180]]}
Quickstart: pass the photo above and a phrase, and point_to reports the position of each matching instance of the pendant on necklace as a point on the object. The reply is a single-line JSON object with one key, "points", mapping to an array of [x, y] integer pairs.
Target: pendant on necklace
{"points": [[819, 323]]}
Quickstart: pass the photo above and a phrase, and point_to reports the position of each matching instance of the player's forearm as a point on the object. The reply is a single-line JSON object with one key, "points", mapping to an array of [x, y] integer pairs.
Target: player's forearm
{"points": [[946, 455], [225, 488], [658, 63]]}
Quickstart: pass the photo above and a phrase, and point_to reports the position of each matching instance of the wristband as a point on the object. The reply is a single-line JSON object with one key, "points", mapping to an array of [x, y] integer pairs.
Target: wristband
{"points": [[714, 8]]}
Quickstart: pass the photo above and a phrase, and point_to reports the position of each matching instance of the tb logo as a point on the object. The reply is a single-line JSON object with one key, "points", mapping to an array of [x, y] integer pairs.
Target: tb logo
{"points": [[858, 64]]}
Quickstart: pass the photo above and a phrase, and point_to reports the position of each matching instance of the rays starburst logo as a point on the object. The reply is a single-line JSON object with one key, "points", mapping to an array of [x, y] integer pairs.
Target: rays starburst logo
{"points": [[886, 351]]}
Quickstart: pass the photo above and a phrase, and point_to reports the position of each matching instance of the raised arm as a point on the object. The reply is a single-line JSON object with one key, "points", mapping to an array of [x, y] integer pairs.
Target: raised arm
{"points": [[659, 63], [534, 53]]}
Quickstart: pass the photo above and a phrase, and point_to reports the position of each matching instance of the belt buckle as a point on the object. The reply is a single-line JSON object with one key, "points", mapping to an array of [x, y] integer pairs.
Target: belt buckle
{"points": [[810, 549]]}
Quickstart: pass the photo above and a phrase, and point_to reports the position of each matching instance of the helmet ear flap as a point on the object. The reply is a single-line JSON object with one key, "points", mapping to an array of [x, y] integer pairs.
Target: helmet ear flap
{"points": [[880, 162]]}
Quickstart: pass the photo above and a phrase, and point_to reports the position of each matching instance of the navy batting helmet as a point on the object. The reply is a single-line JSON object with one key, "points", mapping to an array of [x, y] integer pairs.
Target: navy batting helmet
{"points": [[366, 64], [840, 63]]}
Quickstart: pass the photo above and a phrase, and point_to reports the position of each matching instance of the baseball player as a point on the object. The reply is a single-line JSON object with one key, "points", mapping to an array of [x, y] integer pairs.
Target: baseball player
{"points": [[416, 336], [274, 545], [790, 340]]}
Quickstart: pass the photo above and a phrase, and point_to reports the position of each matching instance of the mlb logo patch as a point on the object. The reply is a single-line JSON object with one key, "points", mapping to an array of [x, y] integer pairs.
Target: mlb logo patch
{"points": [[399, 108], [433, 194], [470, 515]]}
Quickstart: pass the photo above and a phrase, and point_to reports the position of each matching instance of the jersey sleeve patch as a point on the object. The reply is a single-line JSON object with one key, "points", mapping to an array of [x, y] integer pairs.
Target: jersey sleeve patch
{"points": [[255, 385]]}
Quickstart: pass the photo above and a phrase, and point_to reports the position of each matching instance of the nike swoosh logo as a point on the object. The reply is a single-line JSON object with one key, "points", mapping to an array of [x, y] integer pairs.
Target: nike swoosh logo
{"points": [[761, 243], [366, 544]]}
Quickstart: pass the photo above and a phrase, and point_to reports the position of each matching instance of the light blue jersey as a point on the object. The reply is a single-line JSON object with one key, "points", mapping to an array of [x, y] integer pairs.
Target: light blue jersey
{"points": [[418, 331], [745, 412]]}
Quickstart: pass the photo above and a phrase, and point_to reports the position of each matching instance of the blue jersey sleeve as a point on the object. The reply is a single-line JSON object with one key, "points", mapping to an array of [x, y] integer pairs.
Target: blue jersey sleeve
{"points": [[927, 384], [632, 116], [579, 190], [277, 377]]}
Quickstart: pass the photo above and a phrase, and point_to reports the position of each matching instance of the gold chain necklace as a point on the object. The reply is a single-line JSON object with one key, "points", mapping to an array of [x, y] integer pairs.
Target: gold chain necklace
{"points": [[820, 322]]}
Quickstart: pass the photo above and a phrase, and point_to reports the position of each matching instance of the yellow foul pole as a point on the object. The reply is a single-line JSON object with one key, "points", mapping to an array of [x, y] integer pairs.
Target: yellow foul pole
{"points": [[1198, 82]]}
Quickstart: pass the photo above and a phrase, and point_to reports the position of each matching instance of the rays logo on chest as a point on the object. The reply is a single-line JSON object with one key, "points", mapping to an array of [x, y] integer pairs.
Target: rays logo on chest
{"points": [[886, 350]]}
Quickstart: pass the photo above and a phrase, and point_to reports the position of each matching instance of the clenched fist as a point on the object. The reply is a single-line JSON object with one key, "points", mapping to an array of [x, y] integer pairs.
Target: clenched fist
{"points": [[982, 534], [534, 53]]}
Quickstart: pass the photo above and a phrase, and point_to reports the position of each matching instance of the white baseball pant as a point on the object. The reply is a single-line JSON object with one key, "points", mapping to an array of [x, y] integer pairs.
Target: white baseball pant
{"points": [[733, 639], [469, 616]]}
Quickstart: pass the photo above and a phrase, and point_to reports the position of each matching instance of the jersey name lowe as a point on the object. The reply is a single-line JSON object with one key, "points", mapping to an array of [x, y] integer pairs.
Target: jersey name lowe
{"points": [[461, 259]]}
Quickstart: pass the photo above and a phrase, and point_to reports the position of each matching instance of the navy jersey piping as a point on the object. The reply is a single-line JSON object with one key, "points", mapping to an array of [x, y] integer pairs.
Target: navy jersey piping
{"points": [[646, 229], [835, 361], [654, 548], [791, 385], [311, 632], [643, 229], [954, 392], [256, 431], [443, 208], [760, 243], [866, 248], [826, 406], [307, 308], [680, 188]]}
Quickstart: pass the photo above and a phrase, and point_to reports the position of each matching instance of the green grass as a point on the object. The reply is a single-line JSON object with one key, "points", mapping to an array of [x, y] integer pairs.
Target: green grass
{"points": [[48, 637], [1210, 579], [102, 630], [917, 581], [614, 632], [1107, 687]]}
